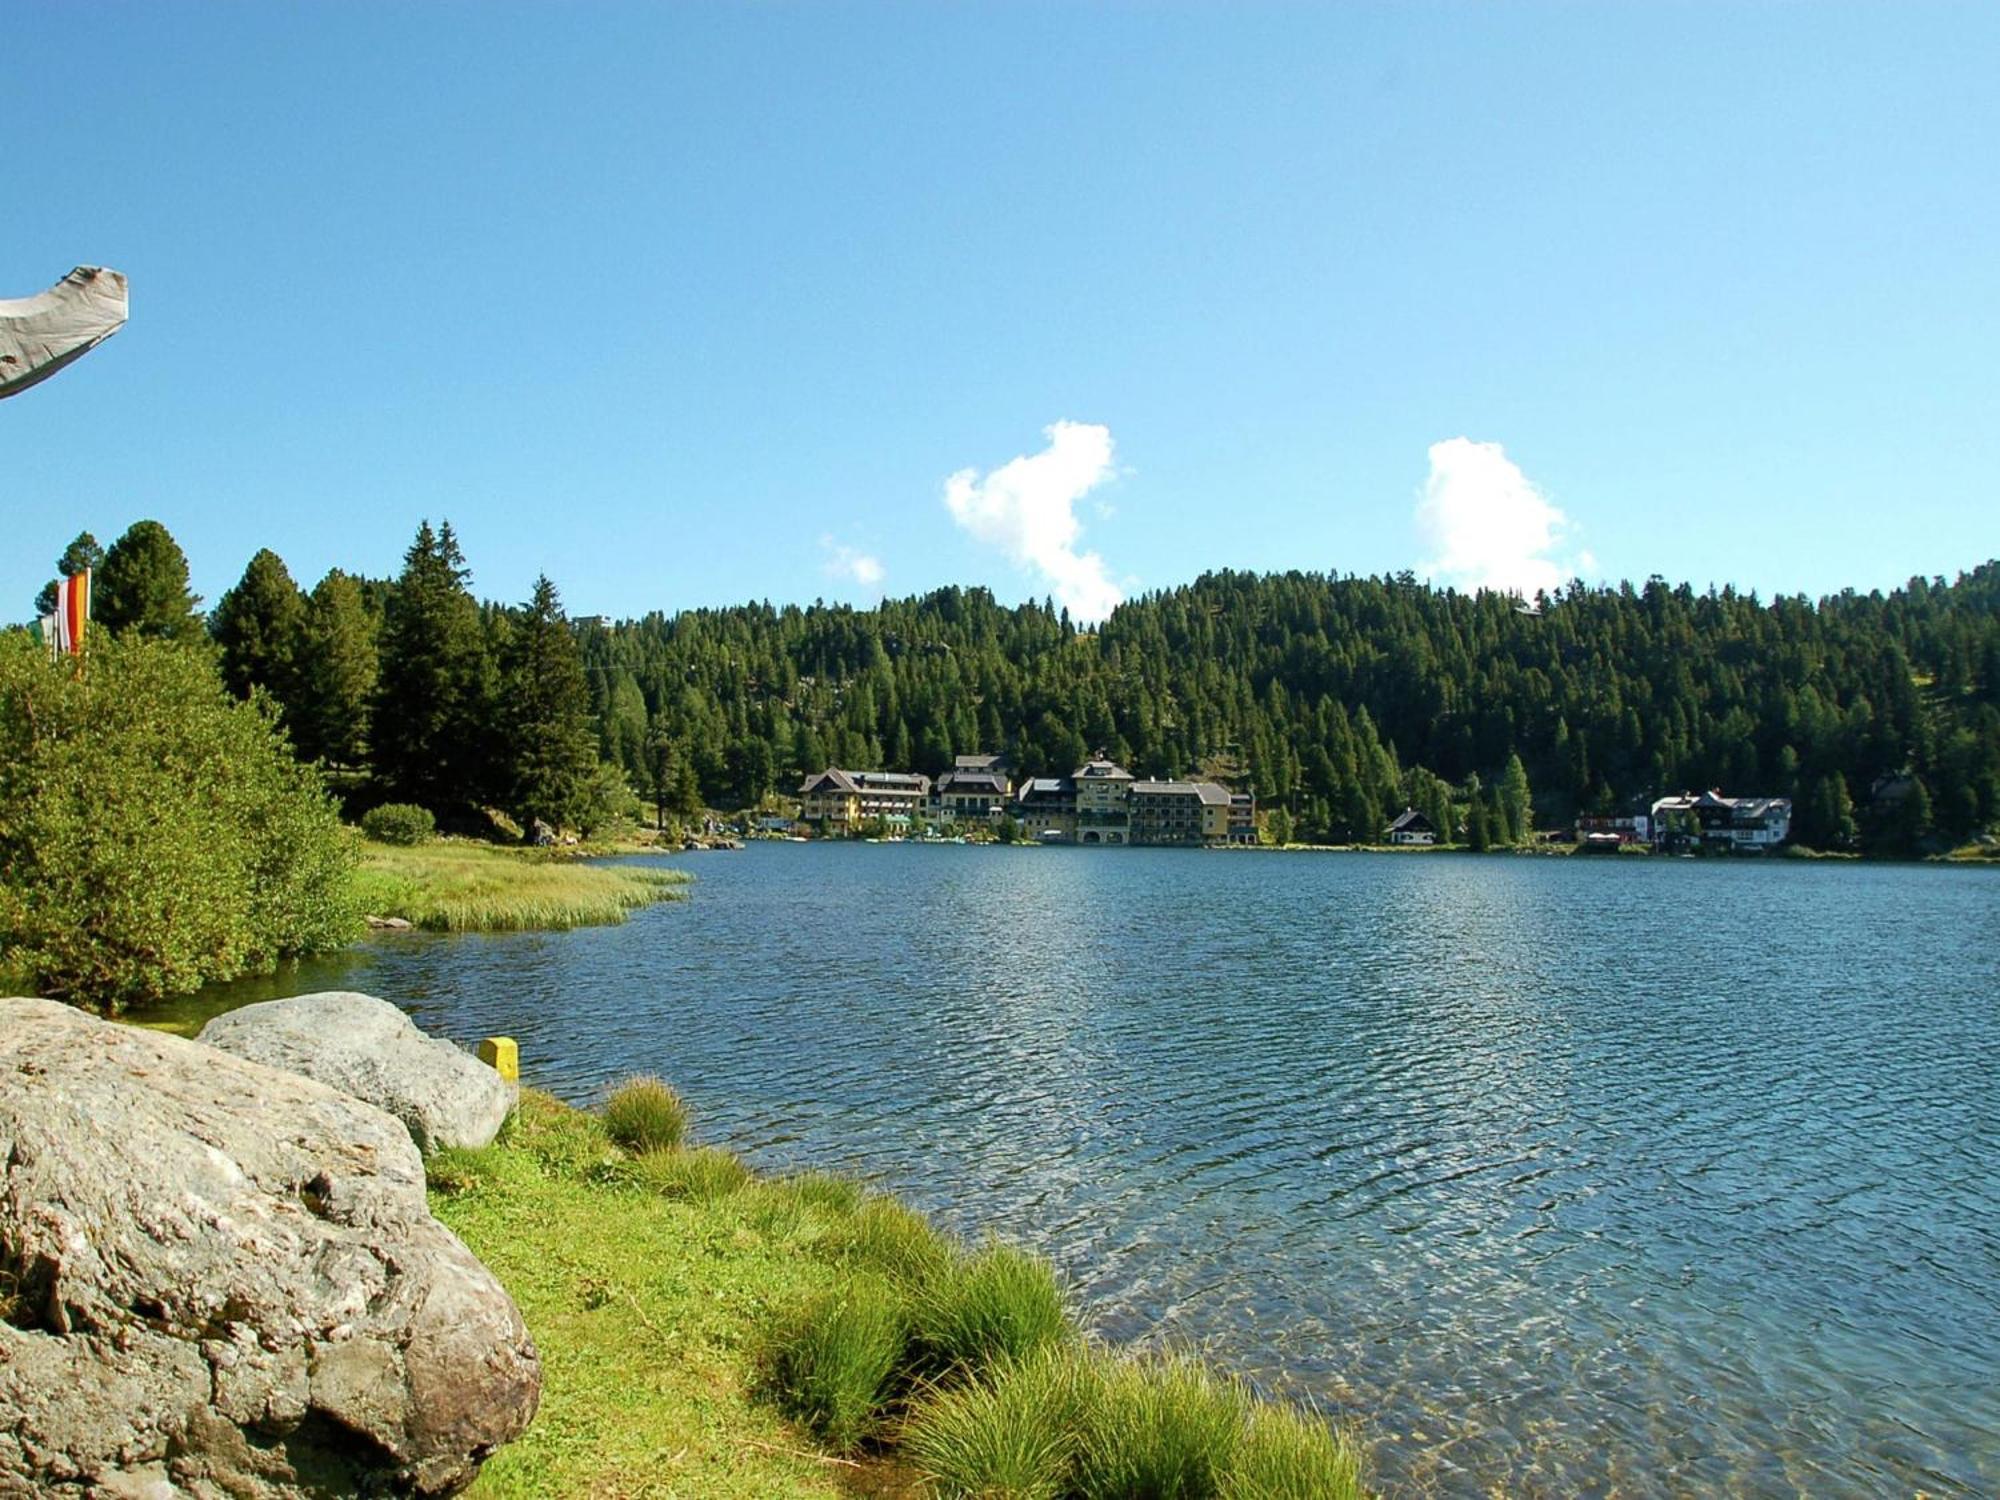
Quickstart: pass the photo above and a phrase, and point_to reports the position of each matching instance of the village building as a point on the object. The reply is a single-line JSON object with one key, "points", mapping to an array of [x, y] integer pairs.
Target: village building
{"points": [[1743, 824], [1411, 827], [1242, 819], [1046, 806], [971, 796], [1178, 812], [1103, 810], [1632, 826], [837, 801]]}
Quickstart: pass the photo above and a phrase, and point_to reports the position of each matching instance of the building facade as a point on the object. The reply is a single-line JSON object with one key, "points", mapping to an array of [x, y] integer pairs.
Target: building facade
{"points": [[1748, 825]]}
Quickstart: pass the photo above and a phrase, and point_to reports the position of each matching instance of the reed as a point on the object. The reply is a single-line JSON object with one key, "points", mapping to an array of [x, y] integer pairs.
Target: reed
{"points": [[452, 885], [1001, 1304], [1011, 1435], [1158, 1429], [1288, 1454]]}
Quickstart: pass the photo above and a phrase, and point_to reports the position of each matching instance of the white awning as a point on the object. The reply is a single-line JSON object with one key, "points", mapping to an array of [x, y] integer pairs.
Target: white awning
{"points": [[41, 334]]}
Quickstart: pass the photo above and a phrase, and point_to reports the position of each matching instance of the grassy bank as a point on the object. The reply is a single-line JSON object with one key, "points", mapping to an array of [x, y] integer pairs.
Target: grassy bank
{"points": [[706, 1332], [454, 885]]}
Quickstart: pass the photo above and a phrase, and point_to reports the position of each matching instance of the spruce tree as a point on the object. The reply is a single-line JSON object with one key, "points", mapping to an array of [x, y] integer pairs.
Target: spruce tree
{"points": [[432, 714], [1516, 805], [258, 625], [142, 588], [337, 671], [548, 747], [81, 555]]}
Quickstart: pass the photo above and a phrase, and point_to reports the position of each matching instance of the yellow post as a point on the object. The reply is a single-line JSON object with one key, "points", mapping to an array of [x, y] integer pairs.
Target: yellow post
{"points": [[502, 1055]]}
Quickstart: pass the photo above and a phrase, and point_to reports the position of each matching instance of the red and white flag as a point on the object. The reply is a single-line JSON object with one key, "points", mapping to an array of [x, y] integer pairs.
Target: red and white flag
{"points": [[63, 630]]}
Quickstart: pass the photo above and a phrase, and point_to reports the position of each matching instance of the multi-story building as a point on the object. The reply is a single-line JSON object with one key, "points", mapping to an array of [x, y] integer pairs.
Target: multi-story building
{"points": [[1242, 821], [1046, 806], [1744, 824], [1103, 811], [1178, 812], [838, 801], [971, 796]]}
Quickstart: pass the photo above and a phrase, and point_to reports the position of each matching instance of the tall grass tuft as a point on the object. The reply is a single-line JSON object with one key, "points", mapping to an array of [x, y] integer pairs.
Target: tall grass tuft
{"points": [[701, 1175], [1002, 1303], [1288, 1454], [643, 1114], [833, 1362], [1160, 1429], [825, 1191], [1011, 1435], [890, 1237]]}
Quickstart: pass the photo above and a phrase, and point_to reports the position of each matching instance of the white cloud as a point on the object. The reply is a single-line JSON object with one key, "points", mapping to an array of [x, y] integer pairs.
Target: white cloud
{"points": [[842, 561], [1489, 526], [1027, 508]]}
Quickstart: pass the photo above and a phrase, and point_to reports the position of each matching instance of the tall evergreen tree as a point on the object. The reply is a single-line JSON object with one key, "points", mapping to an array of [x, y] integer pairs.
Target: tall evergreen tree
{"points": [[79, 556], [142, 588], [337, 671], [258, 625], [548, 745], [432, 718]]}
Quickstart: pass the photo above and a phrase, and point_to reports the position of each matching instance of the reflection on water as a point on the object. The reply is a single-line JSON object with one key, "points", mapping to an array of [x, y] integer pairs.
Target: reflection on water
{"points": [[1653, 1178]]}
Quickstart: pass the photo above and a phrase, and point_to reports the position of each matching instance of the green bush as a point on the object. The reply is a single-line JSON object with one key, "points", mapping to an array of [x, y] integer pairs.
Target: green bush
{"points": [[1002, 1303], [832, 1363], [1159, 1430], [1289, 1454], [703, 1174], [643, 1114], [155, 833], [399, 823], [1011, 1435]]}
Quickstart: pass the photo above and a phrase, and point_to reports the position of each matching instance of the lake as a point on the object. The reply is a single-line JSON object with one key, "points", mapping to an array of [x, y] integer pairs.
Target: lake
{"points": [[1636, 1177]]}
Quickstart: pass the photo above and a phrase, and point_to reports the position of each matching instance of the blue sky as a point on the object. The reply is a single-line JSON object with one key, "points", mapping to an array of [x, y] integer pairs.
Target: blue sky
{"points": [[689, 305]]}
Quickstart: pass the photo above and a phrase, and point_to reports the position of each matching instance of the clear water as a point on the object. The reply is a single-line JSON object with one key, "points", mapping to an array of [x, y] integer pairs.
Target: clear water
{"points": [[1558, 1176]]}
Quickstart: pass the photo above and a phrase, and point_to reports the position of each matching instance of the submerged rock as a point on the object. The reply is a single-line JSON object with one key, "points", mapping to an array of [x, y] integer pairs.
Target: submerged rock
{"points": [[221, 1279], [368, 1048]]}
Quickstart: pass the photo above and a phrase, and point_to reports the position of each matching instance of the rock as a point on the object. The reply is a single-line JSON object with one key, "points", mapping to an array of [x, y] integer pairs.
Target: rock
{"points": [[389, 924], [368, 1048], [539, 833], [222, 1279]]}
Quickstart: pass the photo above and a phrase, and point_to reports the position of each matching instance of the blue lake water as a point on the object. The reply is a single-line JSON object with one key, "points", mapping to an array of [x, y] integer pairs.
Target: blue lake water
{"points": [[1649, 1177]]}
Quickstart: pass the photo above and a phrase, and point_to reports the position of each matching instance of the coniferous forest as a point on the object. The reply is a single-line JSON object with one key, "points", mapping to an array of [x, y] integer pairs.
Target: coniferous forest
{"points": [[1338, 700]]}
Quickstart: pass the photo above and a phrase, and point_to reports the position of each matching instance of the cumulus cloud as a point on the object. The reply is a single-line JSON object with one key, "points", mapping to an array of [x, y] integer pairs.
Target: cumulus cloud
{"points": [[1027, 509], [1489, 526], [842, 561]]}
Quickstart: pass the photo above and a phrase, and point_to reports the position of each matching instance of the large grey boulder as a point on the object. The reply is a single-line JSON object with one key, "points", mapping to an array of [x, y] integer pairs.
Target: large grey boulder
{"points": [[368, 1048], [221, 1279]]}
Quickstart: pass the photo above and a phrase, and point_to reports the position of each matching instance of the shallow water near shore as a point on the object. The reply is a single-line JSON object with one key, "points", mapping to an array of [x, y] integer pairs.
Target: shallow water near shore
{"points": [[1558, 1176]]}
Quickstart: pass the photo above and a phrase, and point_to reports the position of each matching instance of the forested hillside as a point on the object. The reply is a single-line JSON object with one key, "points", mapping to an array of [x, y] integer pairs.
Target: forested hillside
{"points": [[1341, 699], [1338, 700]]}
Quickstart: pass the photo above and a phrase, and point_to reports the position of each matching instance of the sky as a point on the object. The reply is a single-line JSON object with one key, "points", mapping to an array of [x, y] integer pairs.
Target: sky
{"points": [[694, 304]]}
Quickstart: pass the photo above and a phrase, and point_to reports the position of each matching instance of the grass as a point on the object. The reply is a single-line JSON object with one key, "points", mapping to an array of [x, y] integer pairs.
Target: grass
{"points": [[460, 885], [832, 1363], [1002, 1304], [643, 1115], [707, 1332]]}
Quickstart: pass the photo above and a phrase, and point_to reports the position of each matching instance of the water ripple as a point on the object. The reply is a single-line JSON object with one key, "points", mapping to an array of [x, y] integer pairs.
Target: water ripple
{"points": [[1563, 1177]]}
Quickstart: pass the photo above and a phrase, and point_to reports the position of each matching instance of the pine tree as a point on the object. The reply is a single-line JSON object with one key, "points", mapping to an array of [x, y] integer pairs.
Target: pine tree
{"points": [[258, 625], [1516, 805], [142, 588], [81, 555], [432, 715], [337, 672], [548, 746]]}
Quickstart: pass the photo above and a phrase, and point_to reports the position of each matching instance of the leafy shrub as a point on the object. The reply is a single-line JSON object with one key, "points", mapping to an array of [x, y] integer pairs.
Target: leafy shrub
{"points": [[1012, 1434], [1288, 1454], [703, 1174], [399, 823], [832, 1363], [643, 1114], [1164, 1429], [155, 833], [1002, 1303]]}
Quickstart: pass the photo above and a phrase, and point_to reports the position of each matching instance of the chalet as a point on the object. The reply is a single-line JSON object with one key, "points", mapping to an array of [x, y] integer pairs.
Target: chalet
{"points": [[1411, 827], [1743, 824]]}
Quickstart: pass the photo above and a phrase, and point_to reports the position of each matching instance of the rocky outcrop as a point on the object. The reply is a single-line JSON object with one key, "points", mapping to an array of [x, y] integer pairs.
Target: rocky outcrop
{"points": [[368, 1048], [222, 1279]]}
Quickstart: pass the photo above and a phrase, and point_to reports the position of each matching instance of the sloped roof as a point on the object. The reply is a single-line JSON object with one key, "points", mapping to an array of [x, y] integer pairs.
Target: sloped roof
{"points": [[1409, 820]]}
